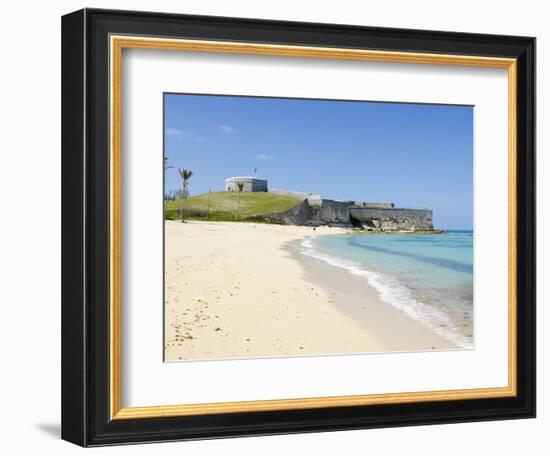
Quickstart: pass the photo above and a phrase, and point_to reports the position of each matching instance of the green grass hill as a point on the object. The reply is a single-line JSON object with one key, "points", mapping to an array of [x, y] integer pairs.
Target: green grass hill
{"points": [[223, 206]]}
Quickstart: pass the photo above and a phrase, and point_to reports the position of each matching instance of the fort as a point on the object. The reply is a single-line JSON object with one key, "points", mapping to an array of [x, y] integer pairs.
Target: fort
{"points": [[250, 184], [313, 210]]}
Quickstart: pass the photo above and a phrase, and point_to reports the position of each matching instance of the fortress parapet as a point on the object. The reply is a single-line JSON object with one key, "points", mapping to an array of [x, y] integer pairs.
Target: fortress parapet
{"points": [[374, 205]]}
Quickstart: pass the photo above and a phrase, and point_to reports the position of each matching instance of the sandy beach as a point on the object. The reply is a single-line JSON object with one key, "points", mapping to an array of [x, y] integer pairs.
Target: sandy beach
{"points": [[240, 290]]}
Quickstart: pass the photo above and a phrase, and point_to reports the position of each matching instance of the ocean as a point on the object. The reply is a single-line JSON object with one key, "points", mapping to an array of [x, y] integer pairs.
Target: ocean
{"points": [[427, 276]]}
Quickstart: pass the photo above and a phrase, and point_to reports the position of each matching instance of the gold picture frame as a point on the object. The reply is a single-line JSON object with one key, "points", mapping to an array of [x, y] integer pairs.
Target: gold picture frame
{"points": [[117, 45]]}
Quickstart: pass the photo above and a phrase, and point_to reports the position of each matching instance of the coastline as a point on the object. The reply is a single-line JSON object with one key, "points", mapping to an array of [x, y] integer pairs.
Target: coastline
{"points": [[355, 297], [244, 290]]}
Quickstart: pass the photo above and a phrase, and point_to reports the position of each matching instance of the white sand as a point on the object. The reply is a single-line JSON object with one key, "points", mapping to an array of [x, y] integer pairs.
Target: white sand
{"points": [[238, 290]]}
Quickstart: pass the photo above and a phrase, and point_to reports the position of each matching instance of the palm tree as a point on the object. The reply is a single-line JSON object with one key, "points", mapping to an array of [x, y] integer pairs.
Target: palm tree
{"points": [[185, 175], [240, 186]]}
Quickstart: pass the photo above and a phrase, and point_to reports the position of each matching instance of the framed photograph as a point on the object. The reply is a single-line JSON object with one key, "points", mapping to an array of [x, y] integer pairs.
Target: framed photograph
{"points": [[278, 227]]}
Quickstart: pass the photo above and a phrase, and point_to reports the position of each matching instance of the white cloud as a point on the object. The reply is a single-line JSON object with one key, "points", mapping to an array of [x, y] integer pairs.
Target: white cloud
{"points": [[227, 130], [265, 157], [175, 132]]}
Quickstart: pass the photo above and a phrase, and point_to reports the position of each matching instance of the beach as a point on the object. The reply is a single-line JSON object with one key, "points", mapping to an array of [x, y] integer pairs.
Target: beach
{"points": [[245, 290]]}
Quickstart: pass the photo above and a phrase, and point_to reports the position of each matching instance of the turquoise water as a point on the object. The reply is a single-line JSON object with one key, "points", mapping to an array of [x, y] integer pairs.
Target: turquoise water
{"points": [[429, 277]]}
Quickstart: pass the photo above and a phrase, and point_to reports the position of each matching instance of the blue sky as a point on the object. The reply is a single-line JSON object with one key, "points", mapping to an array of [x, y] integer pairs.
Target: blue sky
{"points": [[417, 156]]}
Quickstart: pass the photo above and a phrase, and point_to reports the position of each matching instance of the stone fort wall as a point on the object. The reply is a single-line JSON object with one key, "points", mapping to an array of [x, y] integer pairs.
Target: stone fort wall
{"points": [[296, 215], [335, 212], [347, 213], [374, 205]]}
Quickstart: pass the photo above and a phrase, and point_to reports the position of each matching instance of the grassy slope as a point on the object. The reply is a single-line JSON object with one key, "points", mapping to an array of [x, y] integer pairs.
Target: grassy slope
{"points": [[223, 205]]}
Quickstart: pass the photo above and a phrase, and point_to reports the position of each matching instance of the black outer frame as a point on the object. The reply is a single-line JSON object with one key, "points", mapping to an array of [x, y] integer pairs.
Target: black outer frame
{"points": [[85, 227]]}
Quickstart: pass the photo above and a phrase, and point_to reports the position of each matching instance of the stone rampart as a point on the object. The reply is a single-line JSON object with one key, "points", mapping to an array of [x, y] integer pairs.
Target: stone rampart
{"points": [[349, 214], [300, 214], [332, 211]]}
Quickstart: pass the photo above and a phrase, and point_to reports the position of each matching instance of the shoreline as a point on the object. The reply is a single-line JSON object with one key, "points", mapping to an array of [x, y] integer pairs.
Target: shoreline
{"points": [[362, 302], [238, 290]]}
